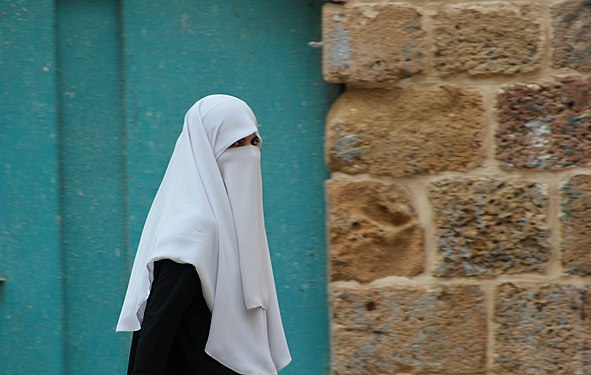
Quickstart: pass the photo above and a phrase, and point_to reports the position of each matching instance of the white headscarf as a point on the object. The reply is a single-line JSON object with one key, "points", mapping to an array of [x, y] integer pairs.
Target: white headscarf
{"points": [[208, 212]]}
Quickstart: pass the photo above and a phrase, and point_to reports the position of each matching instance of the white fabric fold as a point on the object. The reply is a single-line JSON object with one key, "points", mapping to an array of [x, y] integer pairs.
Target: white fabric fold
{"points": [[241, 172], [208, 212]]}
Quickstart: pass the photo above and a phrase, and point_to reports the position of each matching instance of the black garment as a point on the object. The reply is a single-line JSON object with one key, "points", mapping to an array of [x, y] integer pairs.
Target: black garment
{"points": [[175, 326]]}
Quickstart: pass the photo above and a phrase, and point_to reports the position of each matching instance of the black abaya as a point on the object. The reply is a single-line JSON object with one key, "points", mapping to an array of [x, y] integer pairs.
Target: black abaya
{"points": [[175, 326]]}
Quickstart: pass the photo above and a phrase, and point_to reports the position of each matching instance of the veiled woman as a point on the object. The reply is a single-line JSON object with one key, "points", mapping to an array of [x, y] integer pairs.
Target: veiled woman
{"points": [[201, 297]]}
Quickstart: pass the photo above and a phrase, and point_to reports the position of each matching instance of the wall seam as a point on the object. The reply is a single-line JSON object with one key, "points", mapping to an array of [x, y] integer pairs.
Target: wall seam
{"points": [[124, 140], [61, 181]]}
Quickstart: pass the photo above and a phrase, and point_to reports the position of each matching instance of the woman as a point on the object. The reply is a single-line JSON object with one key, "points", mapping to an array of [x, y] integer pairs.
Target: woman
{"points": [[201, 297]]}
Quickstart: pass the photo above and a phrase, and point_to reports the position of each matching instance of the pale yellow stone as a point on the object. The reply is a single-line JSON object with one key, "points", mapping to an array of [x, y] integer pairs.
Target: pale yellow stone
{"points": [[488, 38], [408, 329], [371, 42], [402, 132], [373, 231]]}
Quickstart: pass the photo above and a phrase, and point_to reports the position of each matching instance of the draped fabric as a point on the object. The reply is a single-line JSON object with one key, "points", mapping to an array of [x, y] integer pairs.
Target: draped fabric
{"points": [[208, 212]]}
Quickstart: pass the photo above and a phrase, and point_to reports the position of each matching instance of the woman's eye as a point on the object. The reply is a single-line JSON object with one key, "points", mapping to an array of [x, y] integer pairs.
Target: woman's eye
{"points": [[237, 143], [255, 141]]}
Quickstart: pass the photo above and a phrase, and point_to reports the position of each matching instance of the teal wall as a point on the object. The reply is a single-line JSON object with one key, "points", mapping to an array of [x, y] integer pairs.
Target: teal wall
{"points": [[92, 98], [32, 298]]}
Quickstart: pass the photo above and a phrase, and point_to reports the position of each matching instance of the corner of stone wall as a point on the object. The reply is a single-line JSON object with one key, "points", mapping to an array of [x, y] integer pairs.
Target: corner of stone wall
{"points": [[459, 203]]}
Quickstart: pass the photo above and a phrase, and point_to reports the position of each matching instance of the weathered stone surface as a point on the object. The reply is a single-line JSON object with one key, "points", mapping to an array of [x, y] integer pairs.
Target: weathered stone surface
{"points": [[545, 126], [408, 329], [403, 132], [495, 37], [571, 21], [371, 42], [373, 231], [542, 329], [576, 225], [487, 227]]}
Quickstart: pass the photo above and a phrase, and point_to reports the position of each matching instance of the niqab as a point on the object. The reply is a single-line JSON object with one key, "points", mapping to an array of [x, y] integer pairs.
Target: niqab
{"points": [[208, 212]]}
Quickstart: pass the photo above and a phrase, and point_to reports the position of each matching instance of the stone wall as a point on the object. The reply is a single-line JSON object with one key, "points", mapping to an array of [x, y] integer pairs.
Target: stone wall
{"points": [[460, 190]]}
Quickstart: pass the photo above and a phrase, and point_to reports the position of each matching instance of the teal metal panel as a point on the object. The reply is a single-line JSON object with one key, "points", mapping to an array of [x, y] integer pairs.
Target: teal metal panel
{"points": [[120, 94], [94, 188], [31, 300], [178, 51]]}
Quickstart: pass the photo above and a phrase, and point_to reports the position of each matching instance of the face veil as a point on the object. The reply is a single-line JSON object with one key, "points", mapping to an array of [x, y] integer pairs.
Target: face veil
{"points": [[241, 171], [208, 212]]}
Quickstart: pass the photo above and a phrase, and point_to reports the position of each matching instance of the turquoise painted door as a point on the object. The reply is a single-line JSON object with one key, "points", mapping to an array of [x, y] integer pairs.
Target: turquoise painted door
{"points": [[93, 94]]}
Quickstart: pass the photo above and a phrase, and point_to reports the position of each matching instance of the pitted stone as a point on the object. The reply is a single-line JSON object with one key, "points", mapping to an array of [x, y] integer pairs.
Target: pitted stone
{"points": [[542, 329], [576, 225], [373, 231], [408, 329], [545, 126], [490, 38], [571, 22], [404, 132], [487, 227], [371, 42]]}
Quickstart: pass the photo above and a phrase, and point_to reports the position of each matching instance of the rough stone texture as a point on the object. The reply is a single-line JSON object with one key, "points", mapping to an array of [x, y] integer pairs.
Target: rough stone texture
{"points": [[576, 225], [373, 231], [571, 21], [412, 329], [545, 126], [371, 42], [487, 227], [403, 132], [542, 329], [495, 37]]}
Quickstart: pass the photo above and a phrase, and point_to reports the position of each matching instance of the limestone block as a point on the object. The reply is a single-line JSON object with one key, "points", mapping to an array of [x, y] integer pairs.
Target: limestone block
{"points": [[408, 329], [487, 227], [371, 42], [373, 231], [489, 38], [542, 329], [571, 22], [546, 125], [402, 132], [576, 225]]}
